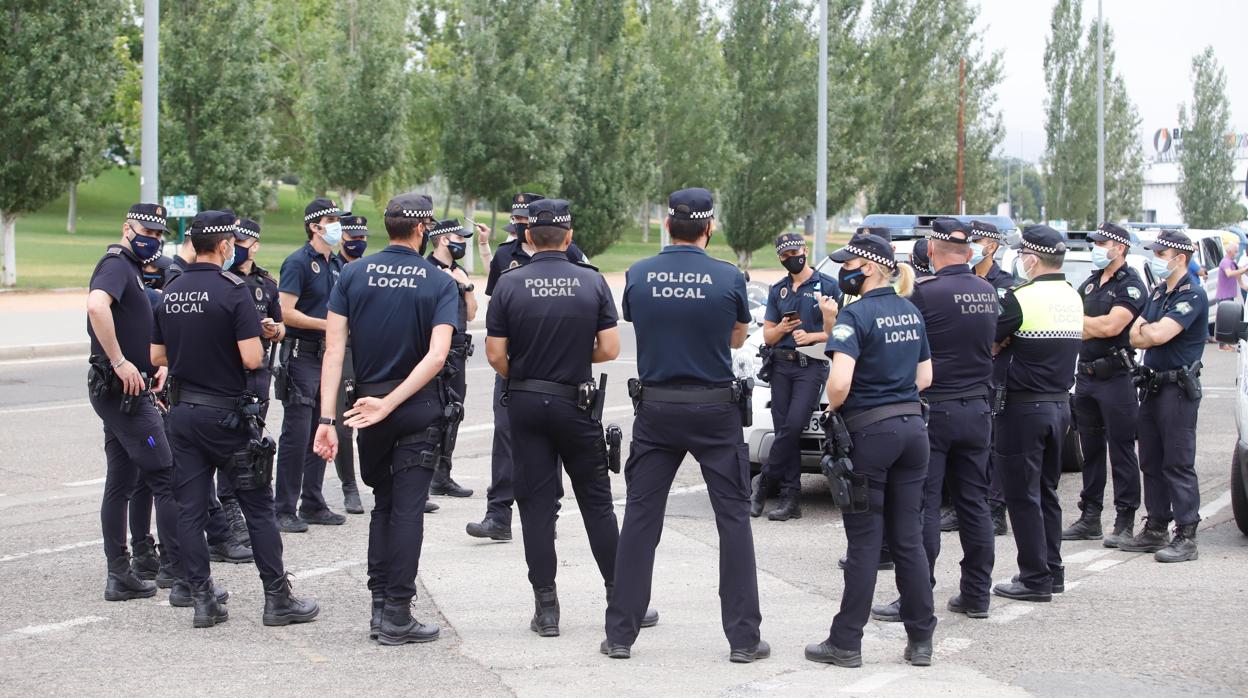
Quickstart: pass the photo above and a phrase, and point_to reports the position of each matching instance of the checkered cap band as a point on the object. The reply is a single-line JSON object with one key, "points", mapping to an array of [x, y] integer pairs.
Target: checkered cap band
{"points": [[519, 205], [980, 231], [920, 267], [411, 213], [870, 256], [1113, 235], [146, 217], [216, 229], [937, 235], [355, 227], [248, 232], [446, 231], [331, 211], [1029, 245], [1182, 247], [695, 215], [790, 245]]}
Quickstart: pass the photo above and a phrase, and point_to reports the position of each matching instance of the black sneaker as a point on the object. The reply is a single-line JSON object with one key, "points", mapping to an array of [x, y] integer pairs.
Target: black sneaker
{"points": [[489, 528], [956, 605], [1021, 592], [322, 517], [948, 519], [744, 656], [230, 552], [919, 652], [289, 523], [827, 653], [615, 651], [889, 612]]}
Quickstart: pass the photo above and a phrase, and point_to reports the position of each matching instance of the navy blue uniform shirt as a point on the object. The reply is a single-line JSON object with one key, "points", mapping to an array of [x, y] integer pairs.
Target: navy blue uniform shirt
{"points": [[119, 274], [310, 276], [461, 323], [263, 289], [177, 265], [202, 317], [1000, 279], [781, 299], [1188, 304], [1125, 289], [960, 312], [885, 335], [392, 302], [511, 254], [550, 311], [684, 305]]}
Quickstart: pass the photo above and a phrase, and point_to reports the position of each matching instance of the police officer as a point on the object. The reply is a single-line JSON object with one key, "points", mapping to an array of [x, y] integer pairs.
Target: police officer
{"points": [[180, 261], [880, 362], [308, 275], [450, 244], [1041, 328], [548, 321], [920, 259], [401, 310], [1171, 331], [208, 333], [501, 493], [792, 319], [1105, 403], [354, 243], [689, 310], [960, 312], [120, 381], [986, 246]]}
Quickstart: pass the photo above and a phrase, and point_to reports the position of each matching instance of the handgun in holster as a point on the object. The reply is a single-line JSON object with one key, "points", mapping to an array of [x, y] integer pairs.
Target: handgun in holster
{"points": [[768, 361], [281, 374], [100, 377], [590, 397], [130, 403], [251, 467], [634, 393], [850, 490], [613, 435], [348, 389], [452, 417], [743, 395], [1189, 381]]}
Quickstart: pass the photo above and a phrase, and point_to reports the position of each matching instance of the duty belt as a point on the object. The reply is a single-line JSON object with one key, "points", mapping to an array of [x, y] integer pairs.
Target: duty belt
{"points": [[1112, 362], [191, 397], [563, 390], [460, 339], [1012, 397], [789, 355], [861, 420], [383, 388], [695, 395], [980, 391], [314, 347]]}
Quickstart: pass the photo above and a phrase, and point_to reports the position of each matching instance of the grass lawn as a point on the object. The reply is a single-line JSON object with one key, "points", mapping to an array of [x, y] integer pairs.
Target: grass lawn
{"points": [[48, 257]]}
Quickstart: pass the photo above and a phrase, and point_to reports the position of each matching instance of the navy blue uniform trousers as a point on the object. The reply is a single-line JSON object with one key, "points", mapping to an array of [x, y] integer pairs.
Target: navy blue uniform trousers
{"points": [[795, 395], [892, 454], [960, 434], [344, 461], [400, 477], [545, 429], [663, 434], [1168, 455], [1105, 414], [299, 470], [500, 494], [218, 528], [202, 445], [1029, 455]]}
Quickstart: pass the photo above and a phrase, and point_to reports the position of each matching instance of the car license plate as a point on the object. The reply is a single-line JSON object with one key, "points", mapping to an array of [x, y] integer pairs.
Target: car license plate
{"points": [[814, 427]]}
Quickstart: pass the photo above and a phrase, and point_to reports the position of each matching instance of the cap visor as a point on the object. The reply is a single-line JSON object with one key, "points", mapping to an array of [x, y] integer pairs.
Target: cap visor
{"points": [[842, 255]]}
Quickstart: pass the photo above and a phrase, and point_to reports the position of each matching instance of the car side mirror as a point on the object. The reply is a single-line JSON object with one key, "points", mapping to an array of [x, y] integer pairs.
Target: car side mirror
{"points": [[1229, 326]]}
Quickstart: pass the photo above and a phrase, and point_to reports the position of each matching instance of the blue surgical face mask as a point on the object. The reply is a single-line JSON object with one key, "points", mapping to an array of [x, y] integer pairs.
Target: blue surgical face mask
{"points": [[333, 234], [1161, 268], [240, 256], [355, 248], [230, 257], [1100, 257], [977, 253], [144, 247]]}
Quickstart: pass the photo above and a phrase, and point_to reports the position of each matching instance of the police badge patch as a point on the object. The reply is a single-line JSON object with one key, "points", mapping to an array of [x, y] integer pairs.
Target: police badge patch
{"points": [[1183, 307], [316, 268], [259, 294], [784, 292], [1087, 289], [842, 332], [1134, 293], [513, 264]]}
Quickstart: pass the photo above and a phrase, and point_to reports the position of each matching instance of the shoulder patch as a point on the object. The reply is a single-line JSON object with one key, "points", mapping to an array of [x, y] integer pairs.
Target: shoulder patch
{"points": [[1001, 292], [232, 278], [1134, 292], [113, 251], [1183, 307], [511, 267], [842, 332]]}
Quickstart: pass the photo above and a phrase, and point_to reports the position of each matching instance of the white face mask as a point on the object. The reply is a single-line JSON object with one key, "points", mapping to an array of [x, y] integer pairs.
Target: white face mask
{"points": [[1026, 273]]}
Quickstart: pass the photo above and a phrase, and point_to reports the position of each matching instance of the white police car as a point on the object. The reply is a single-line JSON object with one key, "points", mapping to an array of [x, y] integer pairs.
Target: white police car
{"points": [[1230, 328]]}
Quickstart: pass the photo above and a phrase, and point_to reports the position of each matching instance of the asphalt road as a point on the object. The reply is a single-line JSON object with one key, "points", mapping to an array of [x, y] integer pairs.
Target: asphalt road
{"points": [[1126, 625]]}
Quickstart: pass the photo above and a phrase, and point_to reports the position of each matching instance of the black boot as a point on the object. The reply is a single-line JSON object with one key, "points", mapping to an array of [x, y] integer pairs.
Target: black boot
{"points": [[919, 652], [1124, 529], [1182, 548], [238, 523], [180, 595], [1000, 525], [398, 627], [164, 575], [489, 528], [444, 486], [1087, 527], [351, 498], [1151, 539], [431, 506], [282, 608], [889, 612], [374, 624], [948, 519], [145, 563], [747, 655], [885, 564], [758, 495], [122, 585], [789, 507], [208, 611], [545, 612], [230, 551], [828, 653]]}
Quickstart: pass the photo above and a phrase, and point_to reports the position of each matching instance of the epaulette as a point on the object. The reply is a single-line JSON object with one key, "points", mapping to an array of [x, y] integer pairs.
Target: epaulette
{"points": [[1024, 284], [257, 269], [923, 279], [586, 264], [1122, 273], [232, 277], [113, 251]]}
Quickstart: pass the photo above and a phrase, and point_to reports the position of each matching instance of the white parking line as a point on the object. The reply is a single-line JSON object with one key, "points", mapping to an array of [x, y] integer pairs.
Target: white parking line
{"points": [[872, 683], [321, 571], [1010, 613], [84, 483], [1211, 509], [1102, 565], [49, 551], [47, 360], [46, 408], [52, 627]]}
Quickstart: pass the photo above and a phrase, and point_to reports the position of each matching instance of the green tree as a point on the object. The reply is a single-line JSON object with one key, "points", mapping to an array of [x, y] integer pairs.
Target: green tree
{"points": [[58, 69], [1206, 192], [216, 94], [1061, 52], [300, 34], [1026, 188], [770, 52]]}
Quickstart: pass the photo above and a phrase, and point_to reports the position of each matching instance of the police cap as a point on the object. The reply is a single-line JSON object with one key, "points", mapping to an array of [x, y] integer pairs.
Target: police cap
{"points": [[247, 230], [553, 212], [693, 204], [1172, 240], [210, 222], [1109, 232], [150, 216], [919, 256], [354, 225], [881, 232], [410, 205], [450, 226], [520, 203], [1042, 239], [320, 208], [789, 241], [984, 229], [949, 230], [868, 246]]}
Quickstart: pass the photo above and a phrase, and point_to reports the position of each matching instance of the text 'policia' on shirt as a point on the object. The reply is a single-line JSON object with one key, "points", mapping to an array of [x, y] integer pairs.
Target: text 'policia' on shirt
{"points": [[393, 275]]}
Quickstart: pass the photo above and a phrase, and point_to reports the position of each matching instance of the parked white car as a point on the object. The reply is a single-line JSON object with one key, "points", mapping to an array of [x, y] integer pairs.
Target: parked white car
{"points": [[1230, 328]]}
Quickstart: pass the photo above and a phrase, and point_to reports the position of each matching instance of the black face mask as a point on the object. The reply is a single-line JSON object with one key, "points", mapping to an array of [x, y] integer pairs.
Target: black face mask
{"points": [[457, 249], [850, 281], [794, 264], [153, 279], [522, 232]]}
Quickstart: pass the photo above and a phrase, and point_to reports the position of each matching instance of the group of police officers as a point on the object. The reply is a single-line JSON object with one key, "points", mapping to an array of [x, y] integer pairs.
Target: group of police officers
{"points": [[951, 380]]}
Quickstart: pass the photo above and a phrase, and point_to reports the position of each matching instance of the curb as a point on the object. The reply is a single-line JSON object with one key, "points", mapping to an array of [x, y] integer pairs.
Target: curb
{"points": [[44, 351]]}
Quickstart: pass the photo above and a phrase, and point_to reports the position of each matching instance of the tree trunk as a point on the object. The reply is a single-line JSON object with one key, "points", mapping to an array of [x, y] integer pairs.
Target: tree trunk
{"points": [[645, 222], [743, 258], [348, 199], [71, 222], [271, 203], [446, 210], [8, 228]]}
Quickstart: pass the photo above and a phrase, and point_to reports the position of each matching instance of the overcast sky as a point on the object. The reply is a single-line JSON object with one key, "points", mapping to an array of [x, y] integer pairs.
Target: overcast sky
{"points": [[1154, 41]]}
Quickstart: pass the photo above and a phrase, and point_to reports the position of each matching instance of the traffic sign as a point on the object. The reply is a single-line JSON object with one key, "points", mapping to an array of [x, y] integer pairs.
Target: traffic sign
{"points": [[182, 205]]}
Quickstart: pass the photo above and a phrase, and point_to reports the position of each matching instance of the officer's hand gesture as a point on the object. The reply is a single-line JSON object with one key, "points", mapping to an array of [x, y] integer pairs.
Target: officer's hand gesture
{"points": [[366, 412], [326, 443], [131, 379], [483, 235], [162, 374], [787, 326], [800, 337], [829, 307], [269, 328]]}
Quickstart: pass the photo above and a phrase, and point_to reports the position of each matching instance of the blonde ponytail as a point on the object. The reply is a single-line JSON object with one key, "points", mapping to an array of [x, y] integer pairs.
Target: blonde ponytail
{"points": [[903, 280]]}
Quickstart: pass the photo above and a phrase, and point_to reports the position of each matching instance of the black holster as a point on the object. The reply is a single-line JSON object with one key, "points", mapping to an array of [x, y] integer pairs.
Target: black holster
{"points": [[613, 436], [634, 393], [765, 366], [251, 467], [281, 375], [850, 490], [743, 395], [1189, 381]]}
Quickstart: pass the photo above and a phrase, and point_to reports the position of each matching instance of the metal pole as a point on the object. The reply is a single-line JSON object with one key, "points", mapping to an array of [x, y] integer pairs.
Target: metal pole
{"points": [[959, 205], [821, 156], [1100, 114], [1009, 200], [149, 167]]}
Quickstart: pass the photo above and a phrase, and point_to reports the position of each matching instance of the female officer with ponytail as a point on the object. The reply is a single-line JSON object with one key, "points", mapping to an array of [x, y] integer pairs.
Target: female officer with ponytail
{"points": [[880, 362]]}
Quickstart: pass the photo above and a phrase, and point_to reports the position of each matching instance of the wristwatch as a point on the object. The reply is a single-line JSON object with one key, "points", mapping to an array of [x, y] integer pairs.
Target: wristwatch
{"points": [[329, 421]]}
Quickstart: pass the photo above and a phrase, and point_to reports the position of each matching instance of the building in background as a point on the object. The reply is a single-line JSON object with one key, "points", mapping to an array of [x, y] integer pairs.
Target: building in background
{"points": [[1160, 202]]}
